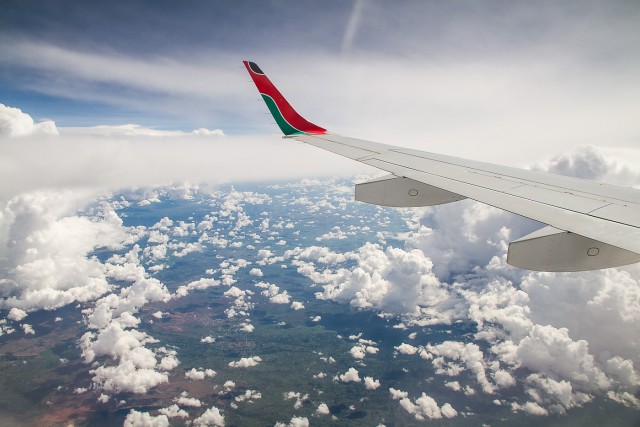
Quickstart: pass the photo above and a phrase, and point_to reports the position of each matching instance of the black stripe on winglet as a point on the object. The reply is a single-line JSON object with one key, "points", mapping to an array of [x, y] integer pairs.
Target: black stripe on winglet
{"points": [[254, 67]]}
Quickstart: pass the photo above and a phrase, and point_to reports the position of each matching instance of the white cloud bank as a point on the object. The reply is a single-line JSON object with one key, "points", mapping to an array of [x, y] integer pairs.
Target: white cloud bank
{"points": [[108, 158], [564, 337]]}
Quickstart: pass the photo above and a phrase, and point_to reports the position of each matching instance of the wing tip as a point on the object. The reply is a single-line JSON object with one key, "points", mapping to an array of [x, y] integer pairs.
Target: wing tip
{"points": [[287, 119], [253, 67]]}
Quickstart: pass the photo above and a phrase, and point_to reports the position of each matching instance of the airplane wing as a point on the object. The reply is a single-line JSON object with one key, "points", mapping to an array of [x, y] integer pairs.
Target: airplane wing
{"points": [[591, 225]]}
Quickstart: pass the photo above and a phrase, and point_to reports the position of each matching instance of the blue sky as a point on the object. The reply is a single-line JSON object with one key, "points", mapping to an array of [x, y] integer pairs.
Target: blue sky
{"points": [[176, 65]]}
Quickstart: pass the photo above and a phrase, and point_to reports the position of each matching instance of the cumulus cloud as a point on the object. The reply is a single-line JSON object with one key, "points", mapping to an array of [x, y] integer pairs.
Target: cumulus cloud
{"points": [[174, 411], [249, 395], [45, 249], [468, 354], [371, 384], [15, 123], [184, 400], [247, 327], [129, 364], [281, 298], [350, 376], [273, 293], [196, 374], [398, 394], [426, 407], [144, 419], [297, 305], [16, 314], [299, 398], [391, 280], [246, 362], [210, 418], [256, 272], [406, 349], [295, 422], [323, 409], [571, 330]]}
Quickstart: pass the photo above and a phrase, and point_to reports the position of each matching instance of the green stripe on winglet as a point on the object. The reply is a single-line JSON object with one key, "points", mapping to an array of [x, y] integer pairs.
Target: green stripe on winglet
{"points": [[285, 127]]}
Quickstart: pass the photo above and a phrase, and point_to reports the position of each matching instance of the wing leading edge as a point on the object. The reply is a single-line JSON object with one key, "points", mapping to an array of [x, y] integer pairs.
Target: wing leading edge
{"points": [[591, 225]]}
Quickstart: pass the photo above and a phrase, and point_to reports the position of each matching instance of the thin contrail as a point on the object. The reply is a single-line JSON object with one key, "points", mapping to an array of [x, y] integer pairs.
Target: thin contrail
{"points": [[352, 26]]}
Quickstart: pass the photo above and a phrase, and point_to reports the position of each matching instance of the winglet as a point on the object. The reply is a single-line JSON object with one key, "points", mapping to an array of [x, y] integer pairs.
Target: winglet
{"points": [[289, 121]]}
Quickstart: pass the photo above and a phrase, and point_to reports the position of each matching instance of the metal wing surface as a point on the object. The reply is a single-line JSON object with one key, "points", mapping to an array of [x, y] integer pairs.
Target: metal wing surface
{"points": [[591, 225]]}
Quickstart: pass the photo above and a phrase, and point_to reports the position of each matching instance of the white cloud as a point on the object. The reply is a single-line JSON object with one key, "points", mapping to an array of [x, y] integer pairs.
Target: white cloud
{"points": [[16, 314], [81, 161], [199, 284], [297, 305], [625, 398], [196, 374], [299, 398], [274, 296], [453, 385], [249, 395], [391, 280], [295, 422], [210, 418], [572, 330], [406, 349], [256, 272], [357, 352], [323, 409], [247, 327], [132, 130], [15, 123], [136, 365], [350, 376], [531, 408], [45, 249], [371, 384], [398, 394], [234, 292], [126, 376], [208, 339], [426, 407], [246, 362], [184, 400], [174, 411], [144, 419], [548, 349], [469, 354]]}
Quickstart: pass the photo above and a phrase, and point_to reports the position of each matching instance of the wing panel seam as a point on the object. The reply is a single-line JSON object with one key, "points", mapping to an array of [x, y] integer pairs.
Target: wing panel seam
{"points": [[508, 194]]}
